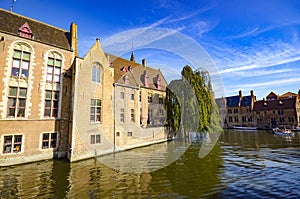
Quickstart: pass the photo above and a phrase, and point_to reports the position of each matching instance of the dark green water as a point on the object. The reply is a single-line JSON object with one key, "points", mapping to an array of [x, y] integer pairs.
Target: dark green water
{"points": [[254, 164]]}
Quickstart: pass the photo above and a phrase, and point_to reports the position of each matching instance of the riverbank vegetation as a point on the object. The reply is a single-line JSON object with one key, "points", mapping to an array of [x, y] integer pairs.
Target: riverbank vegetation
{"points": [[190, 103]]}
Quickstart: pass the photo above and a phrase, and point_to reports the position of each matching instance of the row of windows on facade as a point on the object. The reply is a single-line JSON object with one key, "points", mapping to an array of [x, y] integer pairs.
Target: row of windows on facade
{"points": [[95, 112], [17, 102], [13, 143], [279, 112], [21, 65], [150, 97], [235, 110]]}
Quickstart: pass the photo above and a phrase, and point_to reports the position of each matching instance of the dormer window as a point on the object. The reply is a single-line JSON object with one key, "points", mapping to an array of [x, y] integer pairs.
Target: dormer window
{"points": [[25, 31]]}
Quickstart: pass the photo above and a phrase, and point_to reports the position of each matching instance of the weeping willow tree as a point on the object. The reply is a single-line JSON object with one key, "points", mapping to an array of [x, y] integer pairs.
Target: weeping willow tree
{"points": [[190, 104]]}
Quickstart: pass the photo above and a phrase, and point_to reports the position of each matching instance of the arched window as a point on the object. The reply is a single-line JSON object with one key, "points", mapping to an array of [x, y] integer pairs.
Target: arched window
{"points": [[54, 64], [21, 60], [96, 73]]}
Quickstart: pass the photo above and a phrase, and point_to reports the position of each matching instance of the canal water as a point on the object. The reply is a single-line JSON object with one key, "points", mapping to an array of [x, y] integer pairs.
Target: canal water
{"points": [[242, 164]]}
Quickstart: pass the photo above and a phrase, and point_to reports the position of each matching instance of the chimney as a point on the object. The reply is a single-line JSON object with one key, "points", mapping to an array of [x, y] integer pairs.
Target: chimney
{"points": [[240, 93], [252, 93], [144, 63], [74, 38], [299, 92]]}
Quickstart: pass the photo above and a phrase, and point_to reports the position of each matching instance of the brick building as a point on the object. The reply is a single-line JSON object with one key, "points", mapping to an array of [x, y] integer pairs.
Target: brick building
{"points": [[34, 89], [278, 111]]}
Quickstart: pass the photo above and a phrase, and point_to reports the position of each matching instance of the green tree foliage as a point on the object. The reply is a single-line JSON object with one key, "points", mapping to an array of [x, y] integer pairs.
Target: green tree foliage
{"points": [[190, 104]]}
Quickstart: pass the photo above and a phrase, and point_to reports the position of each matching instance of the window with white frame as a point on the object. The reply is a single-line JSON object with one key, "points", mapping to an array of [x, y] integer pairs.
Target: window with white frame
{"points": [[49, 140], [51, 103], [95, 110], [16, 102], [12, 144], [54, 65], [96, 73], [96, 139], [20, 62]]}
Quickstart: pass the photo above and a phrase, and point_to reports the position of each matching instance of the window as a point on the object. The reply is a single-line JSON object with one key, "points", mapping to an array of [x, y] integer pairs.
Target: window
{"points": [[230, 119], [132, 115], [140, 96], [280, 112], [229, 111], [160, 99], [95, 114], [236, 119], [149, 97], [281, 119], [236, 110], [49, 140], [12, 144], [129, 134], [122, 95], [96, 139], [51, 103], [20, 65], [96, 73], [16, 102], [291, 119], [54, 68], [122, 115], [132, 96], [244, 119]]}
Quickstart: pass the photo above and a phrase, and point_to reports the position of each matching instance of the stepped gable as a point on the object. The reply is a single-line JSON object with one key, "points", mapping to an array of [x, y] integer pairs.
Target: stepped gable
{"points": [[10, 23], [286, 103]]}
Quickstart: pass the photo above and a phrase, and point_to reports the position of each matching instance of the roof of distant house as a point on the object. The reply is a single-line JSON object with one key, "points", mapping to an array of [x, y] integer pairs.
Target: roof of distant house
{"points": [[286, 103], [10, 23]]}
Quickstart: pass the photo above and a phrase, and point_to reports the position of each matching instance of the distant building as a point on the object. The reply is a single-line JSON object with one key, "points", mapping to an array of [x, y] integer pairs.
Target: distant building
{"points": [[35, 88], [278, 111], [237, 110]]}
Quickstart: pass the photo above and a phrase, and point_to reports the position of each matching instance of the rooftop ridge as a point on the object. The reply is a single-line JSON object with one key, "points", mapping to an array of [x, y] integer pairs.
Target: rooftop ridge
{"points": [[19, 15]]}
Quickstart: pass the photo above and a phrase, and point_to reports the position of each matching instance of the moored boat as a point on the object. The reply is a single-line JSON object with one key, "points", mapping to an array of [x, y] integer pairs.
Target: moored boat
{"points": [[245, 127], [279, 131]]}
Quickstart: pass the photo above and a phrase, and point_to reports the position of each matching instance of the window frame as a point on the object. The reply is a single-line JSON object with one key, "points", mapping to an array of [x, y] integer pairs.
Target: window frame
{"points": [[17, 98], [95, 110], [51, 140], [21, 67], [95, 139], [14, 145], [54, 104], [96, 73], [53, 74]]}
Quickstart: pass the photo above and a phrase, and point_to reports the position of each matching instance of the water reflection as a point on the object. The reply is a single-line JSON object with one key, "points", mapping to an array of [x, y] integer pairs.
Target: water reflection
{"points": [[241, 165]]}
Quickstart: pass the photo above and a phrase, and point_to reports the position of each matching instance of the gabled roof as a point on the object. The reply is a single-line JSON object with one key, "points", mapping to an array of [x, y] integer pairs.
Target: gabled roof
{"points": [[123, 67], [272, 95], [232, 101], [287, 103], [288, 95], [10, 23], [246, 100], [119, 64]]}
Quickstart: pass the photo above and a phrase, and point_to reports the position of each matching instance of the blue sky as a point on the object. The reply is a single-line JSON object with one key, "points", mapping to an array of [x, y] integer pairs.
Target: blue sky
{"points": [[254, 44]]}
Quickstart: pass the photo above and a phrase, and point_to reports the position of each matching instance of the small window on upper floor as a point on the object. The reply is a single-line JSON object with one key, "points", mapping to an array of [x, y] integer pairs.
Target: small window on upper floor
{"points": [[96, 73], [25, 31]]}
